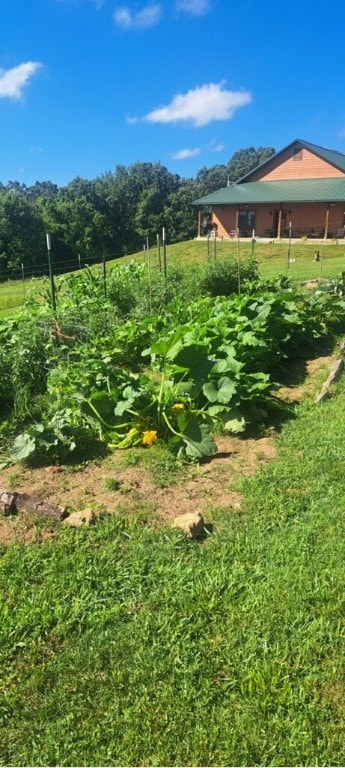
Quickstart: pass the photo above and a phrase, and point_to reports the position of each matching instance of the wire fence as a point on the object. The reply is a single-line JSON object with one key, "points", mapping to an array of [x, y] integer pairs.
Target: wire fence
{"points": [[41, 269], [289, 256], [16, 280]]}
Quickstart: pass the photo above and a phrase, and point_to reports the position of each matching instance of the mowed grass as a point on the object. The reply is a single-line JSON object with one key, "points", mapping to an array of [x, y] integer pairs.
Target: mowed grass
{"points": [[272, 258], [126, 644]]}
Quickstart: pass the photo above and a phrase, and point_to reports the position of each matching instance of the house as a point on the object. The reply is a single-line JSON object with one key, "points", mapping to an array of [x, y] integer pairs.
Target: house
{"points": [[298, 191]]}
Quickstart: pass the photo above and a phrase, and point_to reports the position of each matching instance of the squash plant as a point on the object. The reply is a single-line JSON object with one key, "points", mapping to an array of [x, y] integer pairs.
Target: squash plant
{"points": [[175, 377]]}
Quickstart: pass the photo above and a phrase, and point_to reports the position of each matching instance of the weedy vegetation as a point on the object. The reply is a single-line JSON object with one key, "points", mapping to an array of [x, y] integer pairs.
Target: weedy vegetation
{"points": [[125, 643]]}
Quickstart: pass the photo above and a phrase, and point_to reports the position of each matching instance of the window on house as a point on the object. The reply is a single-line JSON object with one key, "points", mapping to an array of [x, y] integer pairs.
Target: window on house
{"points": [[246, 221]]}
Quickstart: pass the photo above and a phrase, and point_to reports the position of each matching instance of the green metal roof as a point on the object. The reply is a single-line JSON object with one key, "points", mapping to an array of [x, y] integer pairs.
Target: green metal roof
{"points": [[272, 192]]}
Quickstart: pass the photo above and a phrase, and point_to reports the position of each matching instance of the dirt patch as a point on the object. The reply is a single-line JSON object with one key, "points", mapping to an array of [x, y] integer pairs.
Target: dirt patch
{"points": [[108, 486]]}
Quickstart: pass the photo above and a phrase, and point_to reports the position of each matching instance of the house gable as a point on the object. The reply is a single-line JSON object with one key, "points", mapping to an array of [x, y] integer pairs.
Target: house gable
{"points": [[299, 160]]}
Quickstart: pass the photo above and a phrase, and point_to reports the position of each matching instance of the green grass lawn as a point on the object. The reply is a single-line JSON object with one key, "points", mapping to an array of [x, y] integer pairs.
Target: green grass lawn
{"points": [[272, 259], [126, 644]]}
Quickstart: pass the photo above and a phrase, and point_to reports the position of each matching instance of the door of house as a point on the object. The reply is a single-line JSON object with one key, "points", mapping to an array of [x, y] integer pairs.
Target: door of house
{"points": [[246, 222]]}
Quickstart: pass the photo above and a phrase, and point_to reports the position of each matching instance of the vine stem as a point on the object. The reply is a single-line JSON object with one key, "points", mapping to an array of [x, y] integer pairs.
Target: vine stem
{"points": [[178, 434]]}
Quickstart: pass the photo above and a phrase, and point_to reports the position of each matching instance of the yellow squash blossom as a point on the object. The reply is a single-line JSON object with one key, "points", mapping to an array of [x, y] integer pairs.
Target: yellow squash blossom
{"points": [[149, 437], [178, 407]]}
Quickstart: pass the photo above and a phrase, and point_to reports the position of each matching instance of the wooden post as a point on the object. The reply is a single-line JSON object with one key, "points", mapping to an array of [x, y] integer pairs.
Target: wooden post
{"points": [[279, 223], [159, 252], [104, 272], [326, 223], [238, 263], [289, 248], [199, 222], [164, 254], [149, 273]]}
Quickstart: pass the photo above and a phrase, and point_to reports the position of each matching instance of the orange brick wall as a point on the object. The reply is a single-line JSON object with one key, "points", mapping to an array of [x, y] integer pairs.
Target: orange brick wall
{"points": [[286, 167], [225, 218], [302, 216], [314, 215]]}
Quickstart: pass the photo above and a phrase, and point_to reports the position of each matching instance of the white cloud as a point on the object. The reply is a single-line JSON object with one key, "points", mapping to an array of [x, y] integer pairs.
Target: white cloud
{"points": [[148, 17], [194, 7], [183, 154], [13, 81], [203, 105]]}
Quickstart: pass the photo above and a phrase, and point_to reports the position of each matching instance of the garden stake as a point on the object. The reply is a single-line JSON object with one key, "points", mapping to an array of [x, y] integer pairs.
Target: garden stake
{"points": [[289, 248], [51, 273], [23, 279], [104, 272], [159, 253], [165, 264], [238, 263], [149, 273]]}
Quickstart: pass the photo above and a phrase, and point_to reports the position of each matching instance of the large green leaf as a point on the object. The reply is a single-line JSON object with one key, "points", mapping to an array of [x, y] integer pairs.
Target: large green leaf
{"points": [[233, 421], [195, 360], [168, 348], [231, 418], [23, 446], [220, 391], [196, 438], [129, 395]]}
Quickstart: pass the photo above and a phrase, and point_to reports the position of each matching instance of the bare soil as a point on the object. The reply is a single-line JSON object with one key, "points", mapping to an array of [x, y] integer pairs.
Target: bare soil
{"points": [[109, 486]]}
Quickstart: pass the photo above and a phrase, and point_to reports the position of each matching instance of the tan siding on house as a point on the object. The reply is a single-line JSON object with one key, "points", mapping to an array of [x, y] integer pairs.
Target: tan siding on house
{"points": [[286, 167]]}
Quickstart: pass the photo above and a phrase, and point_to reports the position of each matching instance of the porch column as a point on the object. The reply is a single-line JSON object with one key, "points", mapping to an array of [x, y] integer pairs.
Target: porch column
{"points": [[279, 223], [326, 223], [236, 227], [199, 222]]}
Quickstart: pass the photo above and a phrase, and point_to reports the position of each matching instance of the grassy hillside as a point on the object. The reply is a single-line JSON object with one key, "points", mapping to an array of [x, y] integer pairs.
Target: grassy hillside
{"points": [[272, 259]]}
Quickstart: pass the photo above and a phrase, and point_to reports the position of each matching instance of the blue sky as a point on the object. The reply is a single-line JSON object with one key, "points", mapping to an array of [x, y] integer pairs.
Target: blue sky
{"points": [[86, 85]]}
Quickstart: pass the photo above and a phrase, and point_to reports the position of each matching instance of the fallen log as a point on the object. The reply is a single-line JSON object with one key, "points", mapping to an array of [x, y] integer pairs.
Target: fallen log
{"points": [[12, 502]]}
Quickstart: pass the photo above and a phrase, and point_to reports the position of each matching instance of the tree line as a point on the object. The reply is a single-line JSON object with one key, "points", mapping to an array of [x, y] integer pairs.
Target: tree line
{"points": [[113, 214]]}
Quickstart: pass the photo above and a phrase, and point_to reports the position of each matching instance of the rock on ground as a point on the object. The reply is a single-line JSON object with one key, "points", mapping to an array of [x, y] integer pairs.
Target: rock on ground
{"points": [[77, 519], [191, 523]]}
